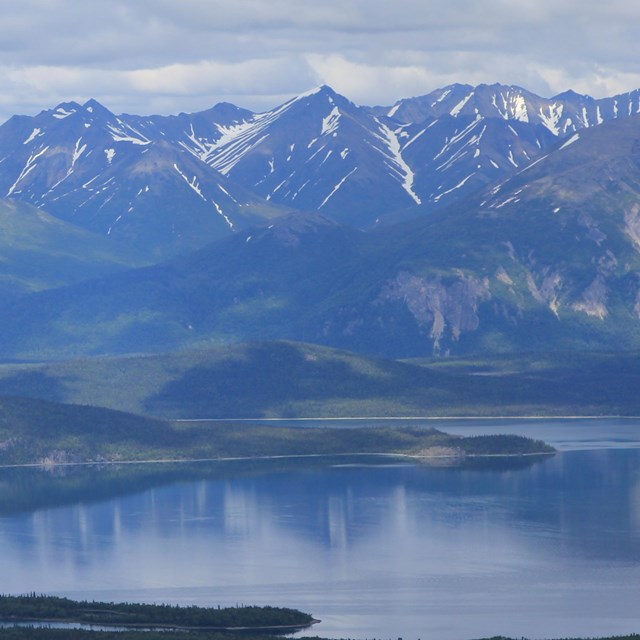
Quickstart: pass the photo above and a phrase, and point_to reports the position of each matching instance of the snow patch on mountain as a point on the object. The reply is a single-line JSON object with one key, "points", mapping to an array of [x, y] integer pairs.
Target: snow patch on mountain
{"points": [[127, 133], [335, 189], [331, 122], [401, 167], [445, 93], [28, 168], [460, 184], [227, 193], [34, 134], [519, 106], [224, 216], [61, 113], [392, 112], [458, 108], [193, 183], [571, 140], [77, 152]]}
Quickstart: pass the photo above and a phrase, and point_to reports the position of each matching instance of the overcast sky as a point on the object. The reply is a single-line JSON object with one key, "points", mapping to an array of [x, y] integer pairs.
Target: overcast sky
{"points": [[166, 56]]}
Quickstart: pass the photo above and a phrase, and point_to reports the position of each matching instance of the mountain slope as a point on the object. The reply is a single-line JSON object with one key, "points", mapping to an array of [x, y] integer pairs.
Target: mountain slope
{"points": [[454, 156], [109, 175], [38, 251], [246, 285], [549, 259], [319, 152], [172, 183], [562, 114], [287, 379], [461, 138]]}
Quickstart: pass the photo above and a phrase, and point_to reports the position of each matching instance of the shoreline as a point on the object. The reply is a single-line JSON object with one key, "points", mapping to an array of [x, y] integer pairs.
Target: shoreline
{"points": [[43, 622], [431, 418], [412, 456]]}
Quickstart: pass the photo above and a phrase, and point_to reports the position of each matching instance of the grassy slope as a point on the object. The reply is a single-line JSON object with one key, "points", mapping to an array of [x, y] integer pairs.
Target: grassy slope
{"points": [[35, 431], [284, 379], [38, 251]]}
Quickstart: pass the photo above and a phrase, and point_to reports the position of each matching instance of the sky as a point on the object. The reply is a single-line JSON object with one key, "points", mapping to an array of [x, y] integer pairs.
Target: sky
{"points": [[167, 56]]}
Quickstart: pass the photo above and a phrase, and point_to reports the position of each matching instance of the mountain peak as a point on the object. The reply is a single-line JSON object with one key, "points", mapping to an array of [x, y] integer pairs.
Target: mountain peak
{"points": [[226, 113], [64, 110], [322, 91], [570, 94], [93, 106], [321, 88], [497, 86]]}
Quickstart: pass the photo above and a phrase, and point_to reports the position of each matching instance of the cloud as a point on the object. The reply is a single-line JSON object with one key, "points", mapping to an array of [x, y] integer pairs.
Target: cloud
{"points": [[167, 55]]}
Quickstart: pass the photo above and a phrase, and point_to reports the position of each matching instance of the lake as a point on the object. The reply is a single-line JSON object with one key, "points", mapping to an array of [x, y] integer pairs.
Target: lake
{"points": [[373, 547]]}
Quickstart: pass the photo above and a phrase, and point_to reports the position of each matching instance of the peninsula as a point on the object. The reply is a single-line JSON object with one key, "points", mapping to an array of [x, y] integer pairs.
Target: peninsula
{"points": [[36, 432]]}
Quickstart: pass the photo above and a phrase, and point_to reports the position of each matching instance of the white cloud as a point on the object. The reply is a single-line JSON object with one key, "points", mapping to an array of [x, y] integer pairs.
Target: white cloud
{"points": [[174, 55]]}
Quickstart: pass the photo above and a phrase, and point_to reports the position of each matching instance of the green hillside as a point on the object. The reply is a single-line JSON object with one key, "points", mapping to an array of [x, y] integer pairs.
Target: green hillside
{"points": [[38, 251], [285, 379], [40, 432], [546, 261]]}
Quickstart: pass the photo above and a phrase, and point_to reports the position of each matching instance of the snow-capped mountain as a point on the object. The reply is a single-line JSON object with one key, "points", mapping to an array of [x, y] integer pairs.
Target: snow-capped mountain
{"points": [[197, 132], [454, 156], [320, 152], [563, 114], [172, 183], [317, 152], [460, 138], [547, 259], [122, 178]]}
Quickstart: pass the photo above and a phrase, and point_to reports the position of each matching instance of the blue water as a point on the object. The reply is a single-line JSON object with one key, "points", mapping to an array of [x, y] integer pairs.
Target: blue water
{"points": [[373, 549]]}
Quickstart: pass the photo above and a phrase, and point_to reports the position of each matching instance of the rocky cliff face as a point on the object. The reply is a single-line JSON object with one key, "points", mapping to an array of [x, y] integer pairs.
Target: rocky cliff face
{"points": [[443, 310]]}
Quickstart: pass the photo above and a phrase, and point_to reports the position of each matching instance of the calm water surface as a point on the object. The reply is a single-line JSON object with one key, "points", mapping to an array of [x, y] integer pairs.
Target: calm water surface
{"points": [[550, 549]]}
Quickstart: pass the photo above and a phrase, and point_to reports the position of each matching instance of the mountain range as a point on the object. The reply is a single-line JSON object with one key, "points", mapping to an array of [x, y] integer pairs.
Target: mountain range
{"points": [[471, 220], [168, 184]]}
